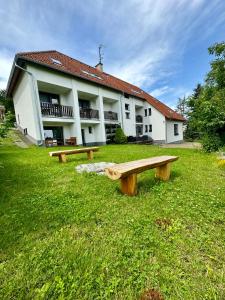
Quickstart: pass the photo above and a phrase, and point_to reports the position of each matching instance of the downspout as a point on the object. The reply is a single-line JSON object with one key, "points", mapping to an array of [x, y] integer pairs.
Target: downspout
{"points": [[35, 99], [121, 110], [166, 130]]}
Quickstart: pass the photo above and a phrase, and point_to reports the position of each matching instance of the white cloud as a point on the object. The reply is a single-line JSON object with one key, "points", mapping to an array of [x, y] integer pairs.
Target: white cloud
{"points": [[145, 40], [153, 37], [5, 66], [161, 91]]}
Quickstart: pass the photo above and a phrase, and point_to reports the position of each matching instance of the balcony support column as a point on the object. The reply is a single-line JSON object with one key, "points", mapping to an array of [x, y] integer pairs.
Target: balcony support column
{"points": [[77, 125], [101, 132]]}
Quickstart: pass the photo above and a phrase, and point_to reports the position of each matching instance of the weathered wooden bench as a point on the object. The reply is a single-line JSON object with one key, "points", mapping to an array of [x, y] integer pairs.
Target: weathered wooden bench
{"points": [[127, 172], [62, 153]]}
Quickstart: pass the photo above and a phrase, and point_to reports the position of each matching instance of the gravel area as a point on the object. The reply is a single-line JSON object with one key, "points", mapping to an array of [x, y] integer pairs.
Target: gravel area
{"points": [[98, 168]]}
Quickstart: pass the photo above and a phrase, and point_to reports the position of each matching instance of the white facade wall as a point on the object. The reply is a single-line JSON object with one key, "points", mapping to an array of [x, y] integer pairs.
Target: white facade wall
{"points": [[158, 125], [171, 138], [101, 98], [91, 138], [24, 104], [129, 125]]}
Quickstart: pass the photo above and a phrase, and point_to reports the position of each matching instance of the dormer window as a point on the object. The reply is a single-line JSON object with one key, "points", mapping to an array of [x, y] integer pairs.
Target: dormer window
{"points": [[56, 61], [91, 74]]}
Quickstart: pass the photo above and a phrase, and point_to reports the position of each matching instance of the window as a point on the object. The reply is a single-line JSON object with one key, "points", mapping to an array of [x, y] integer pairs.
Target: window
{"points": [[127, 106], [56, 61], [149, 111], [150, 128], [110, 130], [49, 98], [146, 128], [139, 130], [127, 115], [176, 132], [90, 130], [84, 103], [136, 92], [54, 132], [91, 74], [146, 112]]}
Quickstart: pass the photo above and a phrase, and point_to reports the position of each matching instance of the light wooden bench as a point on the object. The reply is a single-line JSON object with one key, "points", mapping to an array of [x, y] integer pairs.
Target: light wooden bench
{"points": [[62, 154], [127, 172]]}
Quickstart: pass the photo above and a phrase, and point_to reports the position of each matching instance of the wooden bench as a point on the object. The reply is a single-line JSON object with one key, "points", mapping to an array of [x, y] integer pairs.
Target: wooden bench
{"points": [[127, 172], [62, 154]]}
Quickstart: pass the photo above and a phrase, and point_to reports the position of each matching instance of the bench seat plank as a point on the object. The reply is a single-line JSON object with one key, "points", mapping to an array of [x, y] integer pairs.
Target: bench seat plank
{"points": [[63, 153], [125, 169], [73, 151]]}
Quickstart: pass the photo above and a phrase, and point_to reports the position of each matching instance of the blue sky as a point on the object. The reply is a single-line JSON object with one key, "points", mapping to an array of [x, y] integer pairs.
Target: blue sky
{"points": [[160, 46]]}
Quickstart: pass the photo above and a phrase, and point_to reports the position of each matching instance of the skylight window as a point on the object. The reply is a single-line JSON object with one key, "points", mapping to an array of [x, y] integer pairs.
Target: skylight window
{"points": [[91, 74], [137, 92], [56, 61]]}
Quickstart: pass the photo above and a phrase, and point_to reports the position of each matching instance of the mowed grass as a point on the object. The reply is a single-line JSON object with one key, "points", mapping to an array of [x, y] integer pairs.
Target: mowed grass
{"points": [[75, 236]]}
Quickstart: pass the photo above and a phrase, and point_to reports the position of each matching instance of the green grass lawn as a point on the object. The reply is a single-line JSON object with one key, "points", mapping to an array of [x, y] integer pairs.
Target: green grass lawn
{"points": [[75, 236]]}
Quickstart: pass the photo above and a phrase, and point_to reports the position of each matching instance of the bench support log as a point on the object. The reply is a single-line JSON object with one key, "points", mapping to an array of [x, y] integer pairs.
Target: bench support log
{"points": [[129, 185], [62, 158], [163, 172], [90, 154]]}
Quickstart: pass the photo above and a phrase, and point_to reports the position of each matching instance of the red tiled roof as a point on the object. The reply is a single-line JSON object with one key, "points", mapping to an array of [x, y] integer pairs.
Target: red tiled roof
{"points": [[76, 68]]}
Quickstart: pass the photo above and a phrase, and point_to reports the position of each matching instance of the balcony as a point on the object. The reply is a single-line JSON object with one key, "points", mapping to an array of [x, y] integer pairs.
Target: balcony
{"points": [[56, 110], [109, 115], [88, 113], [139, 119]]}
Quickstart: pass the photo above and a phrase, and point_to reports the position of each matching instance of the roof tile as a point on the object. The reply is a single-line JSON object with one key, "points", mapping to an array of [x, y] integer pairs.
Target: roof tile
{"points": [[76, 68]]}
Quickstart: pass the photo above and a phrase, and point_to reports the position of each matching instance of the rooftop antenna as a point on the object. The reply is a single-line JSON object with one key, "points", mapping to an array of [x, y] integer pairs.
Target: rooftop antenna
{"points": [[100, 53]]}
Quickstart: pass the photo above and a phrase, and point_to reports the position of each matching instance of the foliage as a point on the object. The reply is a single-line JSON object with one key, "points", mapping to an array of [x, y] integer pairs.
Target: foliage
{"points": [[6, 124], [211, 143], [6, 101], [61, 241], [207, 105], [120, 137], [216, 76]]}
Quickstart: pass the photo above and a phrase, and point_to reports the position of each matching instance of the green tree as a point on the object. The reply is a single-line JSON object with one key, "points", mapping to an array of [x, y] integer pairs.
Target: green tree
{"points": [[207, 104], [192, 130], [216, 76], [120, 137]]}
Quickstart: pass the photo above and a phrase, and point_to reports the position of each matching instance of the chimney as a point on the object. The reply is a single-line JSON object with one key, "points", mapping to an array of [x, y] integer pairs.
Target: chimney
{"points": [[99, 67]]}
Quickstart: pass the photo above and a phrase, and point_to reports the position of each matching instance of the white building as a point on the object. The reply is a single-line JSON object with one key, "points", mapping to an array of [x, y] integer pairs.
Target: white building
{"points": [[58, 97]]}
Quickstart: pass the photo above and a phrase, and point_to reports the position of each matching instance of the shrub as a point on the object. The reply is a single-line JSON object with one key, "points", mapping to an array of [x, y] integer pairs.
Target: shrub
{"points": [[6, 124], [211, 143], [120, 137]]}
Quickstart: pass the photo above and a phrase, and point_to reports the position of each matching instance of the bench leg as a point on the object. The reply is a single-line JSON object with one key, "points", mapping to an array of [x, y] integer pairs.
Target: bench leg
{"points": [[163, 172], [129, 185], [90, 154], [62, 158]]}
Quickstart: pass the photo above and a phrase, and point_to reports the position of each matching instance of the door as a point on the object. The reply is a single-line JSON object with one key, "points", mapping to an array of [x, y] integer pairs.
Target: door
{"points": [[83, 137], [139, 130], [55, 133]]}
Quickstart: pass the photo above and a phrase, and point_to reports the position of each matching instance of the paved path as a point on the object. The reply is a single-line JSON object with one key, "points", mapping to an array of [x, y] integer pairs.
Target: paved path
{"points": [[187, 145], [18, 139]]}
